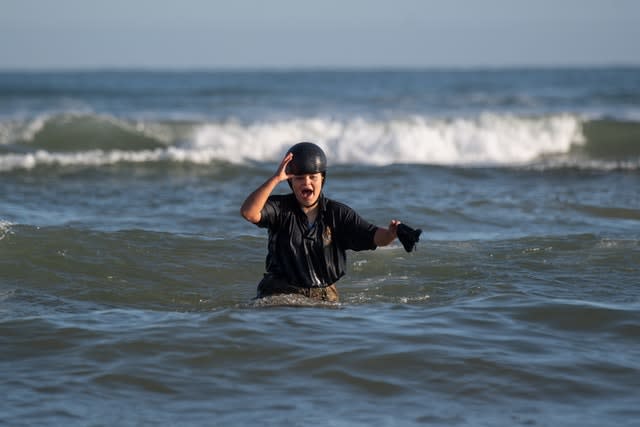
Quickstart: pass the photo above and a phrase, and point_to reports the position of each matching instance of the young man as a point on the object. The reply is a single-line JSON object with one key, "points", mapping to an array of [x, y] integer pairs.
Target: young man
{"points": [[309, 234]]}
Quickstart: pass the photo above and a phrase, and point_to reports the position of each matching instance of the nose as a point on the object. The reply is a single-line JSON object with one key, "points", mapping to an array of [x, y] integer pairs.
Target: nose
{"points": [[304, 180]]}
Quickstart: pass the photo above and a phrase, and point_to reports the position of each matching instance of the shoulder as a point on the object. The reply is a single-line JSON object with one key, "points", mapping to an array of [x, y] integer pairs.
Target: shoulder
{"points": [[281, 199], [276, 208], [334, 205], [353, 231], [339, 209]]}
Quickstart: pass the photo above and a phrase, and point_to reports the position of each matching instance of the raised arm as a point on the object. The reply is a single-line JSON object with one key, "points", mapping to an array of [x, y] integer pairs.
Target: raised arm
{"points": [[252, 207]]}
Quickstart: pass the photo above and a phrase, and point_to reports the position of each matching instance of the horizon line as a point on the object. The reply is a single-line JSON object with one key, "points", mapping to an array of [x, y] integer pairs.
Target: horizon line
{"points": [[314, 68]]}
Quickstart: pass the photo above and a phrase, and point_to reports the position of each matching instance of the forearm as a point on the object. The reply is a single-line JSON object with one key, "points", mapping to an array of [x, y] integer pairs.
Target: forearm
{"points": [[383, 237], [252, 207]]}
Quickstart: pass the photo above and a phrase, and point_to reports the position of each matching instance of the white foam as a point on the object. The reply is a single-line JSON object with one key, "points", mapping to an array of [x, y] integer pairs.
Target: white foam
{"points": [[5, 228], [488, 139], [485, 140], [14, 130]]}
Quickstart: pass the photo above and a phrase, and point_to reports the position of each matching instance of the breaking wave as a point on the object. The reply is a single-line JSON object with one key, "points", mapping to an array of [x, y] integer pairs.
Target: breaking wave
{"points": [[486, 140]]}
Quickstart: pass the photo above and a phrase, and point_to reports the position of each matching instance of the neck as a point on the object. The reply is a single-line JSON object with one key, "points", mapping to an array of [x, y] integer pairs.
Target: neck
{"points": [[311, 211], [310, 208]]}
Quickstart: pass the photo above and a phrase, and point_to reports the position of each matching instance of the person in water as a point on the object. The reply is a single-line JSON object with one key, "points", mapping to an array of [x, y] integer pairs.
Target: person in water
{"points": [[309, 233]]}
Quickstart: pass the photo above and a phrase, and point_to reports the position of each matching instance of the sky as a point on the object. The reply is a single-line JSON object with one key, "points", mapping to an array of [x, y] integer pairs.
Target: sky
{"points": [[255, 34]]}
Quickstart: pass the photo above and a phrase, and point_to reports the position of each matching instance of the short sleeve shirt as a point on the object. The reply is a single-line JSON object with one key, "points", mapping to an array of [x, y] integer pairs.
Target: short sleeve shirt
{"points": [[312, 255]]}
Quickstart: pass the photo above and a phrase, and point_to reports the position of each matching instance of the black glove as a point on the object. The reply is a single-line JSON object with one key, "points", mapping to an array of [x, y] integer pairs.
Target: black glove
{"points": [[408, 236]]}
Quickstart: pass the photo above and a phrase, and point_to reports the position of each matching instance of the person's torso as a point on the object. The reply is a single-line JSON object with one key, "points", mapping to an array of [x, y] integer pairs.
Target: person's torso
{"points": [[308, 255]]}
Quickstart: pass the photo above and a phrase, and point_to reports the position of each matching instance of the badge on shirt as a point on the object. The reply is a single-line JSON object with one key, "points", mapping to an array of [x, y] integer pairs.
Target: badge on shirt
{"points": [[326, 236]]}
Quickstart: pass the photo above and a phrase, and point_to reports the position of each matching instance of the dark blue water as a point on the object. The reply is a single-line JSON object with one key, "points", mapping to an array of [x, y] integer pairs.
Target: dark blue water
{"points": [[127, 274], [255, 94]]}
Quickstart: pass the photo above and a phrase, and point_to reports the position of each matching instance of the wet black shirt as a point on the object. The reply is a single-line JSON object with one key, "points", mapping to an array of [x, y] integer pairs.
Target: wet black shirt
{"points": [[312, 255]]}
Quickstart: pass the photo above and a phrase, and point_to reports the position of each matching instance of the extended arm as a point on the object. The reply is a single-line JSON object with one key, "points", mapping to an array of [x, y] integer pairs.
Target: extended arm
{"points": [[385, 236], [252, 207]]}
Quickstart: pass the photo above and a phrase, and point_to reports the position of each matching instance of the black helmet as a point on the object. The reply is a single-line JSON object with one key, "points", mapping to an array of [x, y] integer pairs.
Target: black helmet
{"points": [[308, 158]]}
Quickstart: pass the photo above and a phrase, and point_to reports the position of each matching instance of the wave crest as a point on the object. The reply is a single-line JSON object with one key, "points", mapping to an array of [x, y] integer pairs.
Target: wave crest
{"points": [[485, 140], [488, 139], [79, 131]]}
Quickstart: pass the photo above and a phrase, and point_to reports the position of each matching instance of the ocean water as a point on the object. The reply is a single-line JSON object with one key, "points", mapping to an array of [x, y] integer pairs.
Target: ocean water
{"points": [[127, 276]]}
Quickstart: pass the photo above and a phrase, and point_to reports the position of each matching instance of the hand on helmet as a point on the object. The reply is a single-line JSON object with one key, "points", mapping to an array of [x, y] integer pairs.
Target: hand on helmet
{"points": [[281, 173]]}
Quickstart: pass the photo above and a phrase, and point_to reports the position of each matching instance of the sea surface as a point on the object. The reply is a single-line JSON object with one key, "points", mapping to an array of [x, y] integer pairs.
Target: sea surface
{"points": [[127, 275]]}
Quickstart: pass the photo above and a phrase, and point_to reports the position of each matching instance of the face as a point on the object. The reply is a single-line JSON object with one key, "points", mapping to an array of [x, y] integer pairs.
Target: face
{"points": [[307, 188]]}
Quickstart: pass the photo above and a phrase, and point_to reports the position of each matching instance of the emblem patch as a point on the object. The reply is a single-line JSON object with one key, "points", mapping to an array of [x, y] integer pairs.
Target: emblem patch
{"points": [[326, 236]]}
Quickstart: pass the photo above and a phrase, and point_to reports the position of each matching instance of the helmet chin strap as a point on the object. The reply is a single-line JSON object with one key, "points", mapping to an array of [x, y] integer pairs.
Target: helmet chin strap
{"points": [[313, 205]]}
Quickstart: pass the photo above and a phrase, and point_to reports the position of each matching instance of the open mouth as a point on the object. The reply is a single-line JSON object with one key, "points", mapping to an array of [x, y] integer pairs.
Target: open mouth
{"points": [[307, 193]]}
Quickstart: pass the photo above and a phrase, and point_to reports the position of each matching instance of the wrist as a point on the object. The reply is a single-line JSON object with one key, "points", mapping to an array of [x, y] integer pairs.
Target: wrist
{"points": [[275, 180]]}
